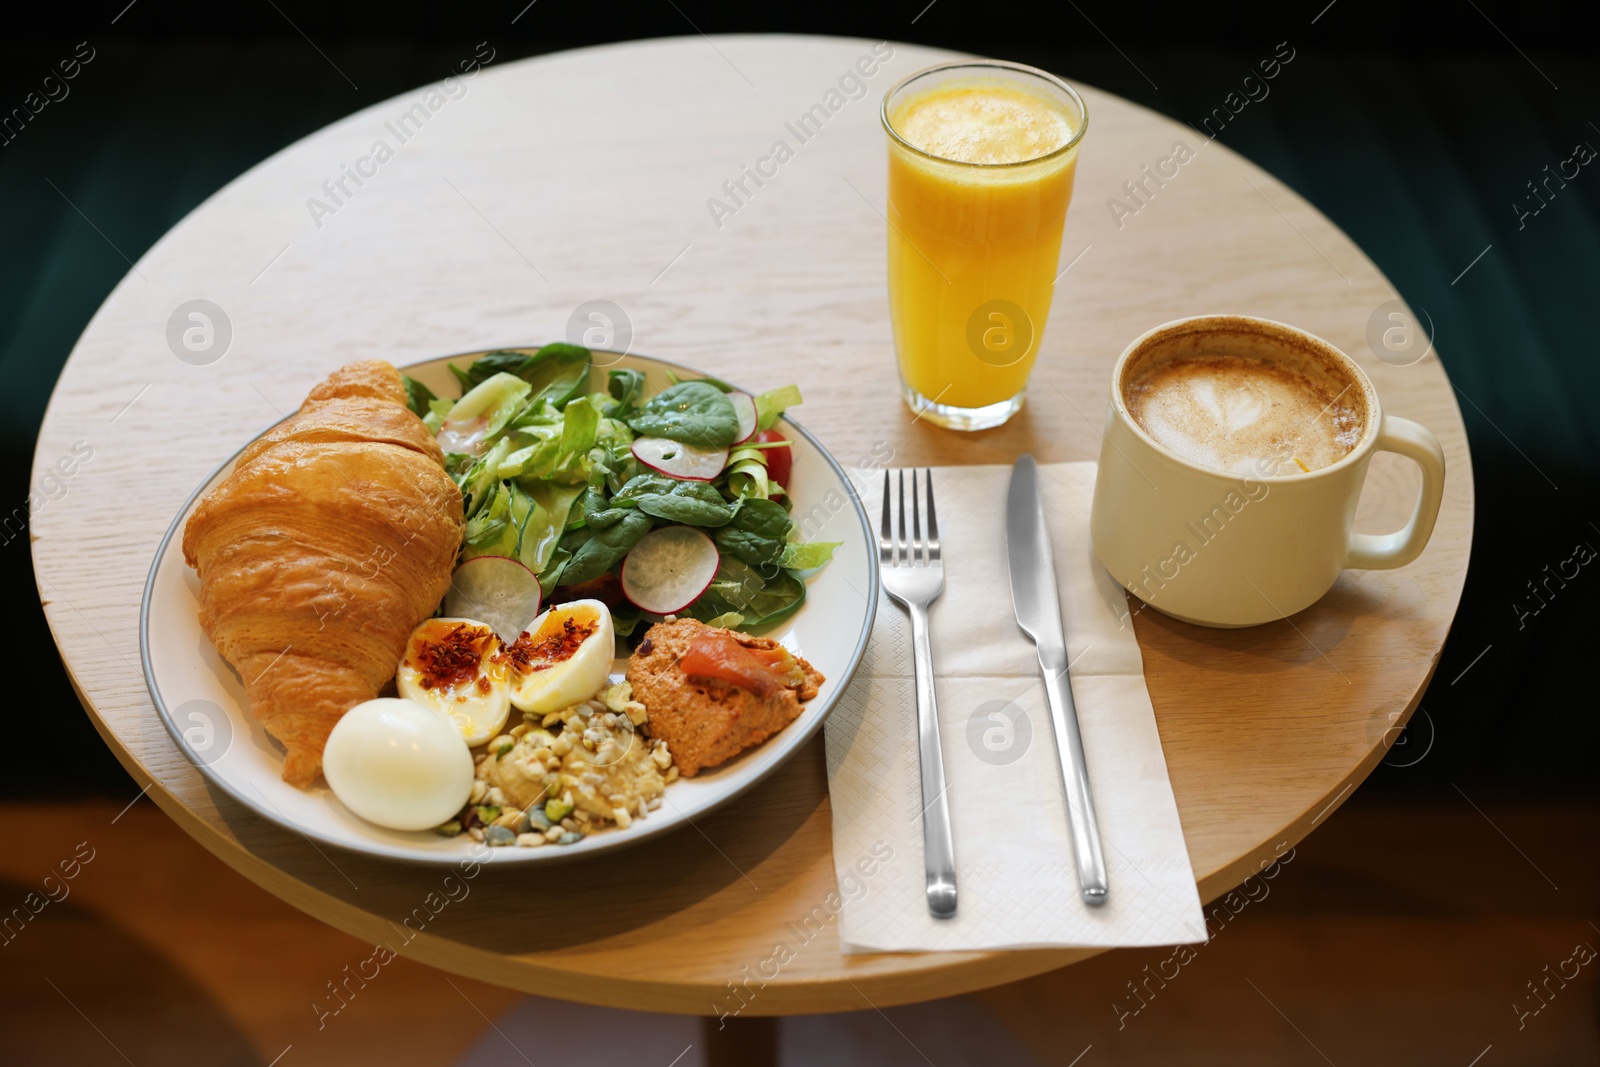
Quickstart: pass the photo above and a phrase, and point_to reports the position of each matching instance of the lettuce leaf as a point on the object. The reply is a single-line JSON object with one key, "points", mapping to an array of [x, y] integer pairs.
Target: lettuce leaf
{"points": [[807, 556], [438, 408], [556, 451], [775, 402], [555, 373]]}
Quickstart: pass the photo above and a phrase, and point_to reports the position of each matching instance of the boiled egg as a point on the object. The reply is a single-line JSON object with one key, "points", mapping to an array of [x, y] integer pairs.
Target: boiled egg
{"points": [[398, 764], [564, 658], [454, 666]]}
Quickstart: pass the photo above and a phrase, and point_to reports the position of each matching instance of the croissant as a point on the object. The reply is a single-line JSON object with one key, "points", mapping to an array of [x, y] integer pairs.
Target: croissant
{"points": [[333, 537]]}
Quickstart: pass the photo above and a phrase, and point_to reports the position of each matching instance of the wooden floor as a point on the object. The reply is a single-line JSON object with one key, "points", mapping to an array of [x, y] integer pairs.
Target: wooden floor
{"points": [[1398, 933]]}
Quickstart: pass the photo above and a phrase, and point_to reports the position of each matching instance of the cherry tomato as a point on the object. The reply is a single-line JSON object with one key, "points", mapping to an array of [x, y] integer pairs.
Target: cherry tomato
{"points": [[779, 461]]}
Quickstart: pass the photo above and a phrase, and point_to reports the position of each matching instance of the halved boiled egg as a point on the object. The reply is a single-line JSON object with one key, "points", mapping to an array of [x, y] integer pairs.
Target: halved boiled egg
{"points": [[563, 658], [454, 667]]}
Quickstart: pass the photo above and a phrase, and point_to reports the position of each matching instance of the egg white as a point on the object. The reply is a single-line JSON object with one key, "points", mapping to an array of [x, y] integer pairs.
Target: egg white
{"points": [[577, 678], [477, 713], [398, 764]]}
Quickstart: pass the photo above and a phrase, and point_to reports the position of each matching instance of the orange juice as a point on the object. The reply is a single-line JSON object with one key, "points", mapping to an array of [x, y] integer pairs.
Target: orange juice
{"points": [[981, 165]]}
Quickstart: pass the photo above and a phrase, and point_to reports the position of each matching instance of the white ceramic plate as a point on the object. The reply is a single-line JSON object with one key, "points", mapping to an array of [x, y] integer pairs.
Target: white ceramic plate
{"points": [[201, 699]]}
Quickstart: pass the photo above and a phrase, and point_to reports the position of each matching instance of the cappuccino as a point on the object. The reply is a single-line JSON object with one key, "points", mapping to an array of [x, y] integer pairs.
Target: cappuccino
{"points": [[1244, 415]]}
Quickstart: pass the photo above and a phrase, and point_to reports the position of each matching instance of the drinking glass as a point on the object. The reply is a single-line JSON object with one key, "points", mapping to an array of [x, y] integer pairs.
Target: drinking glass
{"points": [[974, 250]]}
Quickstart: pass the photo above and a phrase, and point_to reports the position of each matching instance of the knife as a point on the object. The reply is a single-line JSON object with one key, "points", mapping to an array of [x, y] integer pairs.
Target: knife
{"points": [[1038, 605]]}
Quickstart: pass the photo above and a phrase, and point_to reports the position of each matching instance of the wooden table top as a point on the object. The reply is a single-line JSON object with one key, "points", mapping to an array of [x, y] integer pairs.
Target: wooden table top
{"points": [[505, 203]]}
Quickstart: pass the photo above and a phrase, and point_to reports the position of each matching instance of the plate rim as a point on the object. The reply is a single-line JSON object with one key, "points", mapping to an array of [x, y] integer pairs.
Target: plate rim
{"points": [[518, 857]]}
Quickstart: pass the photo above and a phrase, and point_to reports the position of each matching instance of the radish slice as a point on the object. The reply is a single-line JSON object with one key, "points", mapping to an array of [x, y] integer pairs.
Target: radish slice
{"points": [[744, 406], [678, 460], [669, 569], [496, 590]]}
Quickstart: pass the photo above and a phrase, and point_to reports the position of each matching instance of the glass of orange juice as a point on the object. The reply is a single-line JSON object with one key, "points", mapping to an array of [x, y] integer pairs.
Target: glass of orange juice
{"points": [[982, 156]]}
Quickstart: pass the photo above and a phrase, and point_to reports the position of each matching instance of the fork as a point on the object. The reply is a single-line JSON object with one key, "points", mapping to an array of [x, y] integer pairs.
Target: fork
{"points": [[913, 574]]}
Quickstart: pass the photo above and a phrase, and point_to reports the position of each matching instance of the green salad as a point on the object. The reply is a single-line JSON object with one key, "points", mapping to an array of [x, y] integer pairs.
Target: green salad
{"points": [[675, 503]]}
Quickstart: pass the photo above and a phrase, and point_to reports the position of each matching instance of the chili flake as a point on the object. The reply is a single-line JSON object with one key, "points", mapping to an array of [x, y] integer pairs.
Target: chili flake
{"points": [[451, 658], [530, 654]]}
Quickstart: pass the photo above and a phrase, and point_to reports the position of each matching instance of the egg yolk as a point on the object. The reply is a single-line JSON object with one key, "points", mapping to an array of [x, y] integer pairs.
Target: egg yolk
{"points": [[556, 642], [446, 659]]}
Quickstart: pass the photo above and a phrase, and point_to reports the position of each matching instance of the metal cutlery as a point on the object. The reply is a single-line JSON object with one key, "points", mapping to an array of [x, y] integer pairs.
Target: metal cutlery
{"points": [[1034, 594], [913, 574]]}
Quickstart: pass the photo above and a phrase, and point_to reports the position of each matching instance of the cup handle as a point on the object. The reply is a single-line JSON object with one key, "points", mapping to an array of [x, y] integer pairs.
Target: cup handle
{"points": [[1384, 551]]}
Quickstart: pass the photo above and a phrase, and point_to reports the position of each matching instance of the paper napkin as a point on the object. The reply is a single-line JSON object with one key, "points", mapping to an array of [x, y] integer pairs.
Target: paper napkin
{"points": [[1014, 863]]}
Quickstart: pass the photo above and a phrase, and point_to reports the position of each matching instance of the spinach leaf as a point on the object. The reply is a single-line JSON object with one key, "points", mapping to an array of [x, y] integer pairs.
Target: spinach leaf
{"points": [[487, 366], [625, 618], [598, 512], [418, 396], [695, 413], [673, 379], [739, 587], [691, 503], [596, 550], [756, 534], [558, 372], [626, 386], [562, 350], [550, 577]]}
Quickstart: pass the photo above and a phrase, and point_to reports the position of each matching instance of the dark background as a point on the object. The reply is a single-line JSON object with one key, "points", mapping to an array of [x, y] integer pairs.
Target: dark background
{"points": [[1413, 128]]}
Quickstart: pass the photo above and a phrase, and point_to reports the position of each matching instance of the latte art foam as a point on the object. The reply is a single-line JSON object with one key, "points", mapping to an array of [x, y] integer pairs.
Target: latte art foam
{"points": [[1245, 416]]}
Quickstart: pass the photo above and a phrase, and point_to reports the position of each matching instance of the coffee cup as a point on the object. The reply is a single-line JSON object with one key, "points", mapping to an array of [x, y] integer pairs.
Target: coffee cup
{"points": [[1233, 458]]}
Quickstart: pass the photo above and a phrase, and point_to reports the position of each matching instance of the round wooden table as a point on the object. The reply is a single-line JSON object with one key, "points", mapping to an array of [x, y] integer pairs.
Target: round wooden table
{"points": [[503, 205]]}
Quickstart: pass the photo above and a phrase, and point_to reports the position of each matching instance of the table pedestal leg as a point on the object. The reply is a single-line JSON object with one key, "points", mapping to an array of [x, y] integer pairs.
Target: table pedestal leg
{"points": [[737, 1042]]}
